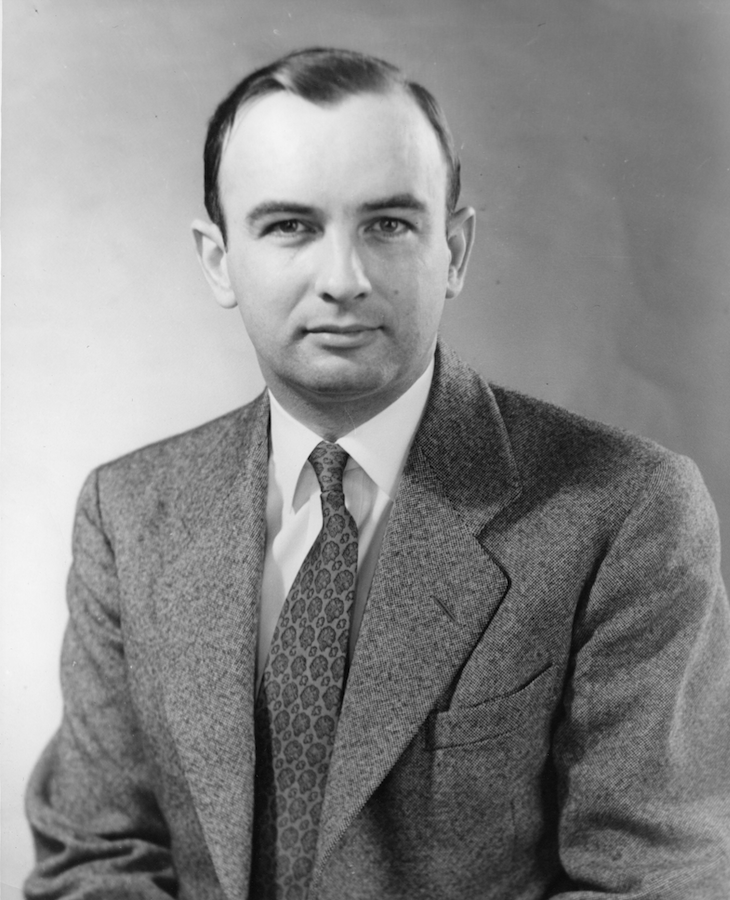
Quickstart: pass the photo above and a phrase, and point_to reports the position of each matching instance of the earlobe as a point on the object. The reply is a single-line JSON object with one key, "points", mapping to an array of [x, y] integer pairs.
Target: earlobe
{"points": [[213, 258], [460, 238]]}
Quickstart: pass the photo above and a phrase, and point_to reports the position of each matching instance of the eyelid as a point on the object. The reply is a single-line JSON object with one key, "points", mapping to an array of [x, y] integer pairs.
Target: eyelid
{"points": [[274, 226], [404, 224]]}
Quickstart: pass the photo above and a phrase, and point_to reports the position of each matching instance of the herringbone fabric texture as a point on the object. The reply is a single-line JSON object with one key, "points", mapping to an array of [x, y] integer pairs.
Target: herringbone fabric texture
{"points": [[301, 693]]}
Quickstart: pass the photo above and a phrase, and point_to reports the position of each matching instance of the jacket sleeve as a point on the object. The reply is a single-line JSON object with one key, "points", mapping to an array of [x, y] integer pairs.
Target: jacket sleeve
{"points": [[97, 827], [643, 751]]}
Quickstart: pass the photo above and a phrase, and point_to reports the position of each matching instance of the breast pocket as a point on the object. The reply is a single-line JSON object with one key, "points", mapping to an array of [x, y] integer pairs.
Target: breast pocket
{"points": [[495, 717]]}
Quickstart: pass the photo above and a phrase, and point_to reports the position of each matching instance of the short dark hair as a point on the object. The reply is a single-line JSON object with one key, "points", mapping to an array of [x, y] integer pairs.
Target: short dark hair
{"points": [[321, 75]]}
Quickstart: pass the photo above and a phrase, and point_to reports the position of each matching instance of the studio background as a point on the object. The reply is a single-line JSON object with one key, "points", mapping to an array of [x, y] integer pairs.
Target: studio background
{"points": [[595, 142]]}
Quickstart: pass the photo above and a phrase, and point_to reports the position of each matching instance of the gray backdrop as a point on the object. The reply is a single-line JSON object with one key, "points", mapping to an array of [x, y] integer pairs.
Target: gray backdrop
{"points": [[595, 138]]}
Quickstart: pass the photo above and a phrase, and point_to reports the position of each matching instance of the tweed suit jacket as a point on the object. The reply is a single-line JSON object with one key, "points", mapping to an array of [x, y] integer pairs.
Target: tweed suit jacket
{"points": [[537, 705]]}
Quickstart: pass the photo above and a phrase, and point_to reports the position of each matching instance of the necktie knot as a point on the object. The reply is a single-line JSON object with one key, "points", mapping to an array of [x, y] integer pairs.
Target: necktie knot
{"points": [[329, 461]]}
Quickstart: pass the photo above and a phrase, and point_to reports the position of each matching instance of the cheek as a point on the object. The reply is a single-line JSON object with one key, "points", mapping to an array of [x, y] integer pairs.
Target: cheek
{"points": [[263, 296], [422, 302], [419, 277], [254, 267]]}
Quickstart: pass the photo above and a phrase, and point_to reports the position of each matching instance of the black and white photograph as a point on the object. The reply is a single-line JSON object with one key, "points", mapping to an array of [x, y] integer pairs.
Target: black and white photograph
{"points": [[365, 450]]}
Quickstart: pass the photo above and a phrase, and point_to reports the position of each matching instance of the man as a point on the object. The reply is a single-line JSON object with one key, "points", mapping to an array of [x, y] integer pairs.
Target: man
{"points": [[385, 631]]}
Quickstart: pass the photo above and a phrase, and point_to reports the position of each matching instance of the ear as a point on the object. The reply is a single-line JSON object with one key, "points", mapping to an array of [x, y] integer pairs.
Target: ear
{"points": [[214, 260], [460, 238]]}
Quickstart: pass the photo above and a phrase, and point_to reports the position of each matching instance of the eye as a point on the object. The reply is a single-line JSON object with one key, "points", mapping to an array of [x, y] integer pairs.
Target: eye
{"points": [[287, 228], [389, 226]]}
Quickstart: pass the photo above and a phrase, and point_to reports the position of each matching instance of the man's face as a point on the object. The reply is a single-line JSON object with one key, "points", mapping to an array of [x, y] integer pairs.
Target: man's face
{"points": [[337, 255]]}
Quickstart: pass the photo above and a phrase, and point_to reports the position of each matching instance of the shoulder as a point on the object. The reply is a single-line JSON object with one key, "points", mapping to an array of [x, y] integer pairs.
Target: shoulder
{"points": [[558, 452], [485, 440], [183, 471], [593, 492], [542, 430], [191, 451], [542, 439]]}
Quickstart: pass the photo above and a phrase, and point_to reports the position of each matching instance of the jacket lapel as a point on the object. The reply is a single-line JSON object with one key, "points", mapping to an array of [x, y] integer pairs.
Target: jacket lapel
{"points": [[207, 606], [435, 590]]}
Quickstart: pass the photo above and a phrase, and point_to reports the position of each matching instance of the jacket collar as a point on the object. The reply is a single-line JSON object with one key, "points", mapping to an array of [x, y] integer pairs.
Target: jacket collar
{"points": [[464, 441]]}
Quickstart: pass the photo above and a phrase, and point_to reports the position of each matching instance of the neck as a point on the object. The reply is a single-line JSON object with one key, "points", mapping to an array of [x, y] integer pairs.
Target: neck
{"points": [[333, 419]]}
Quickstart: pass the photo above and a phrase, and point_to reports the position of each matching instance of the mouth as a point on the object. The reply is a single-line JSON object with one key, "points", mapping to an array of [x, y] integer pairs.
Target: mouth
{"points": [[344, 336], [341, 329]]}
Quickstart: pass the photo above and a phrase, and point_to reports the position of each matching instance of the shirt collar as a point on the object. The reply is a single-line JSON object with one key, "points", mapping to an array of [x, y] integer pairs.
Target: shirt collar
{"points": [[379, 446]]}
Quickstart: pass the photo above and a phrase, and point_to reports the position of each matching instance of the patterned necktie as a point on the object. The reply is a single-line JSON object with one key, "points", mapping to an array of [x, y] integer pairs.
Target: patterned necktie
{"points": [[301, 694]]}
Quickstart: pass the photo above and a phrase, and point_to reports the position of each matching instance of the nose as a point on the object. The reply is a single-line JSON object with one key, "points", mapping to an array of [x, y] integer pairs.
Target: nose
{"points": [[341, 275]]}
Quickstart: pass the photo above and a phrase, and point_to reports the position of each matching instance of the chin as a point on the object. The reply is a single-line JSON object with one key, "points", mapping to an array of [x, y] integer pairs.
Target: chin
{"points": [[345, 381], [344, 388]]}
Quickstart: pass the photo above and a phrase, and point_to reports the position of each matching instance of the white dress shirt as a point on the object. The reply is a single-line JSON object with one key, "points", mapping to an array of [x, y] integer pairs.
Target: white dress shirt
{"points": [[378, 450]]}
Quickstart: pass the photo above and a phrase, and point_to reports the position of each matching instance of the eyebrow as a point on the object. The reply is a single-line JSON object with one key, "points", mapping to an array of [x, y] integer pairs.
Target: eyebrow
{"points": [[277, 207], [274, 207], [397, 201]]}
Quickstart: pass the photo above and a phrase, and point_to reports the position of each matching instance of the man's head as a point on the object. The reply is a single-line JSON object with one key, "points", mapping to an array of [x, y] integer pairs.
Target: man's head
{"points": [[340, 244], [325, 77]]}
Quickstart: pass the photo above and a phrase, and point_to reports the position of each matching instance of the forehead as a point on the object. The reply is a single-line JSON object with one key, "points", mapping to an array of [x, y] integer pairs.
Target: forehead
{"points": [[282, 147]]}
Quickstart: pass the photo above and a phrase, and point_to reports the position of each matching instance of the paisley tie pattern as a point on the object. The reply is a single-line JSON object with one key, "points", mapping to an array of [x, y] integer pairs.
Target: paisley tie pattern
{"points": [[299, 701]]}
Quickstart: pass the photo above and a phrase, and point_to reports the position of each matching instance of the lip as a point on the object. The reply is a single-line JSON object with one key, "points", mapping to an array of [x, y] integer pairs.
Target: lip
{"points": [[343, 336], [341, 329]]}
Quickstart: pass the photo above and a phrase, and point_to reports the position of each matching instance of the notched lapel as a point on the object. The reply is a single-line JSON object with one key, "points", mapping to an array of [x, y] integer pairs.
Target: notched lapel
{"points": [[207, 607], [434, 593]]}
